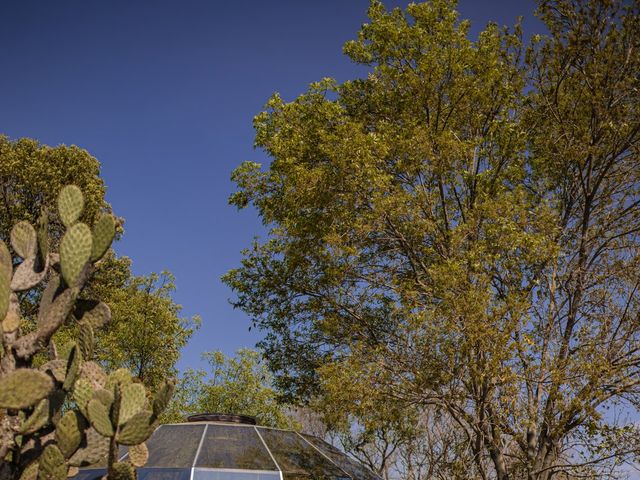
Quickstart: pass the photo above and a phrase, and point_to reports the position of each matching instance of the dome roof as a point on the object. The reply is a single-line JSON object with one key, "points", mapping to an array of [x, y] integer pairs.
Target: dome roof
{"points": [[206, 450]]}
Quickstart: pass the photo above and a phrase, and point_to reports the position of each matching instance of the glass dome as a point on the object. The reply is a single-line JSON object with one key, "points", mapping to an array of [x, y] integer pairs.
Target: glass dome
{"points": [[205, 450]]}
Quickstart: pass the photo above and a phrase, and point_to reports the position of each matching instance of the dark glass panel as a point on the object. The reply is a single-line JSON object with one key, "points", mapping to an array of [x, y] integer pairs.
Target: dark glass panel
{"points": [[237, 447], [352, 467], [297, 458], [164, 473], [143, 474], [206, 474], [90, 474], [174, 446]]}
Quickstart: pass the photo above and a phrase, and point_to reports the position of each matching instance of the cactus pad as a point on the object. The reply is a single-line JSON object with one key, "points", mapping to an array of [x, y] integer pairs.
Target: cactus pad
{"points": [[24, 388], [38, 419], [27, 275], [6, 268], [50, 292], [58, 369], [52, 466], [96, 314], [24, 240], [104, 396], [103, 233], [73, 368], [96, 449], [99, 417], [162, 397], [115, 407], [43, 235], [86, 340], [30, 472], [11, 321], [137, 429], [93, 373], [138, 455], [133, 400], [82, 393], [122, 471], [60, 307], [70, 204], [75, 252], [6, 262], [69, 432], [120, 377]]}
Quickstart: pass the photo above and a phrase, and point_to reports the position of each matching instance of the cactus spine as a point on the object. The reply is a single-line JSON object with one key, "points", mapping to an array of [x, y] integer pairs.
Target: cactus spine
{"points": [[38, 438]]}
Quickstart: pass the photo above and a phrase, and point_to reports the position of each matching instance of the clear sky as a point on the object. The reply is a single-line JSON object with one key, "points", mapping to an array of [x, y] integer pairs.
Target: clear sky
{"points": [[163, 93]]}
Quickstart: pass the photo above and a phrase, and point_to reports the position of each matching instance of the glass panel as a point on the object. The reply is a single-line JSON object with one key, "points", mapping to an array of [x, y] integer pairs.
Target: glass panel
{"points": [[236, 447], [164, 473], [200, 474], [352, 467], [90, 474], [174, 446], [298, 459], [143, 474]]}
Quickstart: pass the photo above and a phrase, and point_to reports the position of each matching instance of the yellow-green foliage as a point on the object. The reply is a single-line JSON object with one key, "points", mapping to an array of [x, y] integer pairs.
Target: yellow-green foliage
{"points": [[144, 317], [32, 175], [459, 229], [233, 384]]}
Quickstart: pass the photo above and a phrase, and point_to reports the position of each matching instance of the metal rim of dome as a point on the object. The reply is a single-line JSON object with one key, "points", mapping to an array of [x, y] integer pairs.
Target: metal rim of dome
{"points": [[222, 418]]}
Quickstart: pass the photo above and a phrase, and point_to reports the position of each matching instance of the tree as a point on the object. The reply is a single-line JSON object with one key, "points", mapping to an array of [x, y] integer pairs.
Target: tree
{"points": [[147, 333], [393, 439], [31, 177], [235, 385], [459, 230]]}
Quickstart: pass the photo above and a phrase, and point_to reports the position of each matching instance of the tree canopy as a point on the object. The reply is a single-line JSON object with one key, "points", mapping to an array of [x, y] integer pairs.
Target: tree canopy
{"points": [[32, 175], [240, 384], [459, 230], [146, 332]]}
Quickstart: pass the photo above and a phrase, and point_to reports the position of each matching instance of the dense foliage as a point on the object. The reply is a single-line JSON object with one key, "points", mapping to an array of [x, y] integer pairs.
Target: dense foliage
{"points": [[32, 175], [458, 231], [147, 332], [240, 384], [144, 316]]}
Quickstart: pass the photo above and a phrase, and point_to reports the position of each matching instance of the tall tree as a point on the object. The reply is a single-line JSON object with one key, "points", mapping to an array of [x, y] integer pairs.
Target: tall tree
{"points": [[31, 176], [393, 439], [147, 332], [459, 230], [240, 384]]}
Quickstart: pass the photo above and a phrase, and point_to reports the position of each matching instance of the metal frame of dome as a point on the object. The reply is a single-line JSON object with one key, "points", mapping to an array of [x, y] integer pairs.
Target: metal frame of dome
{"points": [[222, 417], [202, 449]]}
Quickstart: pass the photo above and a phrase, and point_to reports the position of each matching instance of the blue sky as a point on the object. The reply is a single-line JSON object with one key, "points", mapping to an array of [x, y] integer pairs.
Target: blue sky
{"points": [[163, 94]]}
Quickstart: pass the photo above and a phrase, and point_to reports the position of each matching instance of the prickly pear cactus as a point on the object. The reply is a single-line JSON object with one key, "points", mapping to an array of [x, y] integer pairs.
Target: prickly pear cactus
{"points": [[68, 413]]}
